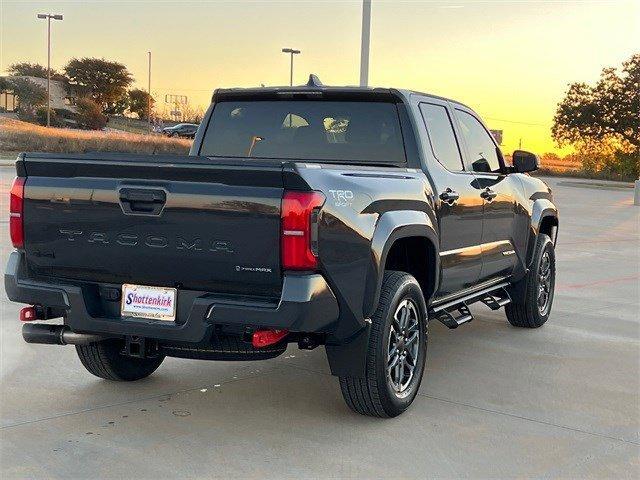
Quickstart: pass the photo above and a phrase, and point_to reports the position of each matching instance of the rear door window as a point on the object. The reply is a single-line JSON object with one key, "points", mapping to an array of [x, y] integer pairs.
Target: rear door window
{"points": [[345, 131]]}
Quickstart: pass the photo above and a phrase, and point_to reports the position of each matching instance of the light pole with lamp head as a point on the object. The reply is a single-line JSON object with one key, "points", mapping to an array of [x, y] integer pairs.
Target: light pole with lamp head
{"points": [[48, 17], [292, 52]]}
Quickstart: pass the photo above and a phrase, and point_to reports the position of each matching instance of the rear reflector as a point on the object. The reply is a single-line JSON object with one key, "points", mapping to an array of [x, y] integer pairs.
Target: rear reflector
{"points": [[27, 314], [299, 229], [16, 201], [264, 338]]}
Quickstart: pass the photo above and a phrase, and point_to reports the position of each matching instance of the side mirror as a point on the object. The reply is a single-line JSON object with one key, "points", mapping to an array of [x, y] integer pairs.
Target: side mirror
{"points": [[525, 161]]}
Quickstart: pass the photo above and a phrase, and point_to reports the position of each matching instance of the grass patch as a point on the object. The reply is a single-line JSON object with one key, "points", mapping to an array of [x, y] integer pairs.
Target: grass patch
{"points": [[581, 165], [570, 166], [131, 125], [27, 137], [557, 164], [550, 172]]}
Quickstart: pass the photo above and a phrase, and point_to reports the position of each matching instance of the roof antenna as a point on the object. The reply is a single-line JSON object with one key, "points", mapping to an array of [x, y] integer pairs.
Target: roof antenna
{"points": [[314, 81]]}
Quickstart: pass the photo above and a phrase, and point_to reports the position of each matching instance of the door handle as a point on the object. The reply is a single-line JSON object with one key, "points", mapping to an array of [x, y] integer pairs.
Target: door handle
{"points": [[142, 201], [449, 196], [488, 194]]}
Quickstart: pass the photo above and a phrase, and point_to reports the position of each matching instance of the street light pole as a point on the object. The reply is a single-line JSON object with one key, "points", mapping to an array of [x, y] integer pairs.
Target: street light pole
{"points": [[48, 71], [149, 96], [364, 45], [292, 52], [48, 17]]}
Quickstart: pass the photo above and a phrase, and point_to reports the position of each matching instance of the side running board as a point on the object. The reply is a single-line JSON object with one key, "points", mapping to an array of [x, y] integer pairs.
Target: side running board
{"points": [[497, 299], [456, 312], [455, 316]]}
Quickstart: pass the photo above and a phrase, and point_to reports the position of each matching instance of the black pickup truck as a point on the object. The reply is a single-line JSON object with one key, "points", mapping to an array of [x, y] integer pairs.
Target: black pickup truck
{"points": [[338, 216]]}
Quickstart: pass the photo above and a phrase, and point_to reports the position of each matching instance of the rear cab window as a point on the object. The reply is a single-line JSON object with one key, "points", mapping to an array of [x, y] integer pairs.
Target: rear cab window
{"points": [[314, 130]]}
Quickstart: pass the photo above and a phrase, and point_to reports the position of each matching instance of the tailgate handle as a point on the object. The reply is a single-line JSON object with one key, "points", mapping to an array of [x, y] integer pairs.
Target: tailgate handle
{"points": [[142, 201]]}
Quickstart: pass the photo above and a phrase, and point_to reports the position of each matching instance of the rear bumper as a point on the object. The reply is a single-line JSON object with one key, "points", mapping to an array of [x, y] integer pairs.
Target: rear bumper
{"points": [[307, 304]]}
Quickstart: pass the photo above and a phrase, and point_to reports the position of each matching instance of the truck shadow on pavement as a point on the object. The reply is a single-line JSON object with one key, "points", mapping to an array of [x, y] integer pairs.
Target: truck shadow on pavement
{"points": [[297, 382]]}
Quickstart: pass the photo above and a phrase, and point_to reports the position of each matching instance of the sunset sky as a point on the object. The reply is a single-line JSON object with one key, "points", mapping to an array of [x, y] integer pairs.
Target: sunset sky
{"points": [[509, 60]]}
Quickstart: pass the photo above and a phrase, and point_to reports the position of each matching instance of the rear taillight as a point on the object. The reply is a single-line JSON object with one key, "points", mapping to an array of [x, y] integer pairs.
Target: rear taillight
{"points": [[300, 229], [16, 201]]}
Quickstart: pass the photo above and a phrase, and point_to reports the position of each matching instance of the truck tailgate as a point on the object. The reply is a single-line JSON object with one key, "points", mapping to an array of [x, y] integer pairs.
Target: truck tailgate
{"points": [[174, 221]]}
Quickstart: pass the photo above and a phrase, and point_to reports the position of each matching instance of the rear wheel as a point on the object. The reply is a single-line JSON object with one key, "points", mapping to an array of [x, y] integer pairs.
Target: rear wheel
{"points": [[532, 296], [396, 354], [103, 359]]}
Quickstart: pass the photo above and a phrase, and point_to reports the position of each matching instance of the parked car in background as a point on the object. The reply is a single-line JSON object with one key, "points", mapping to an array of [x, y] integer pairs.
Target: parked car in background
{"points": [[187, 130]]}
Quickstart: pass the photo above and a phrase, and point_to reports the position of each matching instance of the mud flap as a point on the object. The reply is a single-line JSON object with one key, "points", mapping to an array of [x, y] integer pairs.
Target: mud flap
{"points": [[349, 359]]}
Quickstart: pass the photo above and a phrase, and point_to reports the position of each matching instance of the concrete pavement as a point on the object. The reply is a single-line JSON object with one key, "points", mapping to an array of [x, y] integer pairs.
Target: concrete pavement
{"points": [[562, 401]]}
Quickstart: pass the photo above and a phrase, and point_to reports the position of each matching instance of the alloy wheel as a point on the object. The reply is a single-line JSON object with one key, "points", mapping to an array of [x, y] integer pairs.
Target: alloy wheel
{"points": [[403, 347], [545, 283]]}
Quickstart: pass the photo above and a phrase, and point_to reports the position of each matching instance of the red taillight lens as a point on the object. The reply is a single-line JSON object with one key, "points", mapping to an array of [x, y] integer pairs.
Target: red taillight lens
{"points": [[299, 229], [27, 314], [264, 338], [16, 200]]}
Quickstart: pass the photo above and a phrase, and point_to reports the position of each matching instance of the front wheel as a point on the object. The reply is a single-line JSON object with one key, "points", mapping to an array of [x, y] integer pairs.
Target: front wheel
{"points": [[532, 296], [396, 354]]}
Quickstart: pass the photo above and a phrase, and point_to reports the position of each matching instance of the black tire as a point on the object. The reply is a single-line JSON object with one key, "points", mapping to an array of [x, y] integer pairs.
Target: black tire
{"points": [[373, 393], [104, 360], [525, 309]]}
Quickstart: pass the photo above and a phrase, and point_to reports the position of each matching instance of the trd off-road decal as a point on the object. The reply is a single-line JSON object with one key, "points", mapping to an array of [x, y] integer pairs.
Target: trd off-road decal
{"points": [[342, 198]]}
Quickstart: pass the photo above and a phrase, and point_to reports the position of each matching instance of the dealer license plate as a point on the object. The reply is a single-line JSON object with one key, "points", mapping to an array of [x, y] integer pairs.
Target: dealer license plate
{"points": [[142, 301]]}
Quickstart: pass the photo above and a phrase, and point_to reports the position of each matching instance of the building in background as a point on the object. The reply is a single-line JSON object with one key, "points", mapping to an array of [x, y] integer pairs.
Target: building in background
{"points": [[60, 98], [8, 101]]}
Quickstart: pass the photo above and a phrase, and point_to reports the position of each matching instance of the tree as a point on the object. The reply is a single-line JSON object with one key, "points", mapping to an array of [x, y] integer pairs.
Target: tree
{"points": [[90, 114], [26, 69], [29, 94], [603, 121], [119, 106], [139, 103], [604, 113], [30, 97], [40, 117], [104, 81], [191, 114]]}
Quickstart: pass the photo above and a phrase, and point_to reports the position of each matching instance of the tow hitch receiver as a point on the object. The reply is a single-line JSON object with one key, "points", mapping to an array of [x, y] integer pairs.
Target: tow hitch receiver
{"points": [[140, 347], [264, 338]]}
